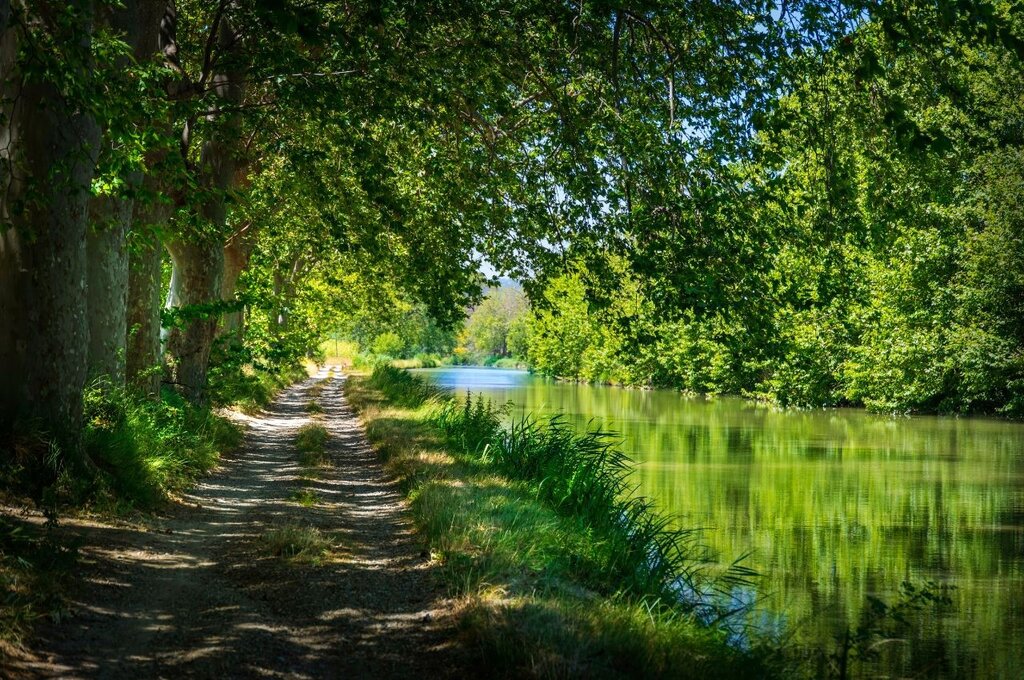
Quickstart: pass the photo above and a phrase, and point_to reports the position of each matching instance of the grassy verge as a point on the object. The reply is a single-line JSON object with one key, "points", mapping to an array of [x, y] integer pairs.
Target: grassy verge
{"points": [[552, 582]]}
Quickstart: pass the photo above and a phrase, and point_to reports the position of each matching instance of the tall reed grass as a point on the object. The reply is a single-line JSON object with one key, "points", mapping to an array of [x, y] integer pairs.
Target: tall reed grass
{"points": [[586, 476]]}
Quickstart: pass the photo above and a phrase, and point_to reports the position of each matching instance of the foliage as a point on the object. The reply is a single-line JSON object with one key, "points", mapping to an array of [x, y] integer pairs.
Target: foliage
{"points": [[146, 449], [869, 249], [497, 327]]}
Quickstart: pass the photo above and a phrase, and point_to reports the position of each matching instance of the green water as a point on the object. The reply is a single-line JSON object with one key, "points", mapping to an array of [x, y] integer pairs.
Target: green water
{"points": [[832, 505]]}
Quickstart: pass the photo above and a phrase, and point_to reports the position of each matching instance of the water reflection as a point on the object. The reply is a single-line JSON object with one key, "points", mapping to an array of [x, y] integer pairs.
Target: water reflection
{"points": [[833, 506]]}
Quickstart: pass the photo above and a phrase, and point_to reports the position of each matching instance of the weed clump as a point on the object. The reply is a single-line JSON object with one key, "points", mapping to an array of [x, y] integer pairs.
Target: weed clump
{"points": [[298, 543], [307, 498], [311, 443], [146, 449]]}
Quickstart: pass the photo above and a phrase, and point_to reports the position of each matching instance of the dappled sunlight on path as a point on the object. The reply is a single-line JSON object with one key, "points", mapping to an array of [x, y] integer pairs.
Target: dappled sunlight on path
{"points": [[198, 594]]}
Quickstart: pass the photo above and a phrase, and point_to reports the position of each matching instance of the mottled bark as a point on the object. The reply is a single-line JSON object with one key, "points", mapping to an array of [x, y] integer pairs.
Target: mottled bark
{"points": [[237, 253], [142, 360], [107, 289], [107, 254], [49, 153], [195, 288], [145, 257]]}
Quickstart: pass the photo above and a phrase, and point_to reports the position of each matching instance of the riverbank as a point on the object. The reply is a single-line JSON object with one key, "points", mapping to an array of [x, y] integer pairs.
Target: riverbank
{"points": [[537, 592]]}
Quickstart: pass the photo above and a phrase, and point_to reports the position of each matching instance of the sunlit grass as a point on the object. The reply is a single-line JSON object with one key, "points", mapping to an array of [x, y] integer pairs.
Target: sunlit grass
{"points": [[298, 543], [310, 442]]}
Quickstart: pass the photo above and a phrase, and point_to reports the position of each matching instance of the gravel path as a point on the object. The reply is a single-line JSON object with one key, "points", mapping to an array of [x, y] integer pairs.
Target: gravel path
{"points": [[197, 594]]}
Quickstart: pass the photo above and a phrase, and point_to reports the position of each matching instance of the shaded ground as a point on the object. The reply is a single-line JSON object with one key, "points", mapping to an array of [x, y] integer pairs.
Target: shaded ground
{"points": [[197, 594]]}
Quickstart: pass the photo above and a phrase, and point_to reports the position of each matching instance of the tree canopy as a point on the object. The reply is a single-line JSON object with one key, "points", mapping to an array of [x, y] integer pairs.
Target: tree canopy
{"points": [[804, 200]]}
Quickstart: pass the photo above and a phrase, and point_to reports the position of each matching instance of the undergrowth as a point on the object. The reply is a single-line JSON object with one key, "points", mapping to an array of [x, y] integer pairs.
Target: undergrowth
{"points": [[525, 524], [247, 388], [147, 449]]}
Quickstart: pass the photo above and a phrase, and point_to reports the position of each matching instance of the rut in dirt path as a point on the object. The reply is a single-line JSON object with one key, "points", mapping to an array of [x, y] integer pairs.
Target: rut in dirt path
{"points": [[199, 595]]}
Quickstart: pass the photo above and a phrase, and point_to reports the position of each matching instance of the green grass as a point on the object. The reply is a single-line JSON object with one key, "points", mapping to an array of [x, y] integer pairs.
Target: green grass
{"points": [[298, 544], [310, 442], [538, 578], [147, 450], [307, 498]]}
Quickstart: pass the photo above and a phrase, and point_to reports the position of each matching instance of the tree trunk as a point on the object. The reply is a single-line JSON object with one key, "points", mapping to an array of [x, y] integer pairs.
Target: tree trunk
{"points": [[153, 33], [142, 360], [144, 286], [198, 274], [48, 157], [195, 286], [107, 289], [107, 257], [236, 259]]}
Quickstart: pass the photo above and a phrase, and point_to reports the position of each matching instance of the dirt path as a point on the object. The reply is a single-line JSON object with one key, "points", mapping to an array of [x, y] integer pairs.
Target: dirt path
{"points": [[196, 594]]}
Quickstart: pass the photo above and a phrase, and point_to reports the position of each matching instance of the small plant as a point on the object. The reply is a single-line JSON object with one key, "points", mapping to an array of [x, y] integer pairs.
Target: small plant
{"points": [[314, 407], [311, 442], [317, 389], [298, 543], [307, 498], [146, 449]]}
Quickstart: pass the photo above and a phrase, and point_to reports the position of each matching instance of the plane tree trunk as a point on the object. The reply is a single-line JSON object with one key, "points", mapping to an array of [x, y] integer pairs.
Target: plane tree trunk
{"points": [[145, 274], [106, 248], [237, 254], [107, 289], [198, 260], [194, 292], [49, 153]]}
